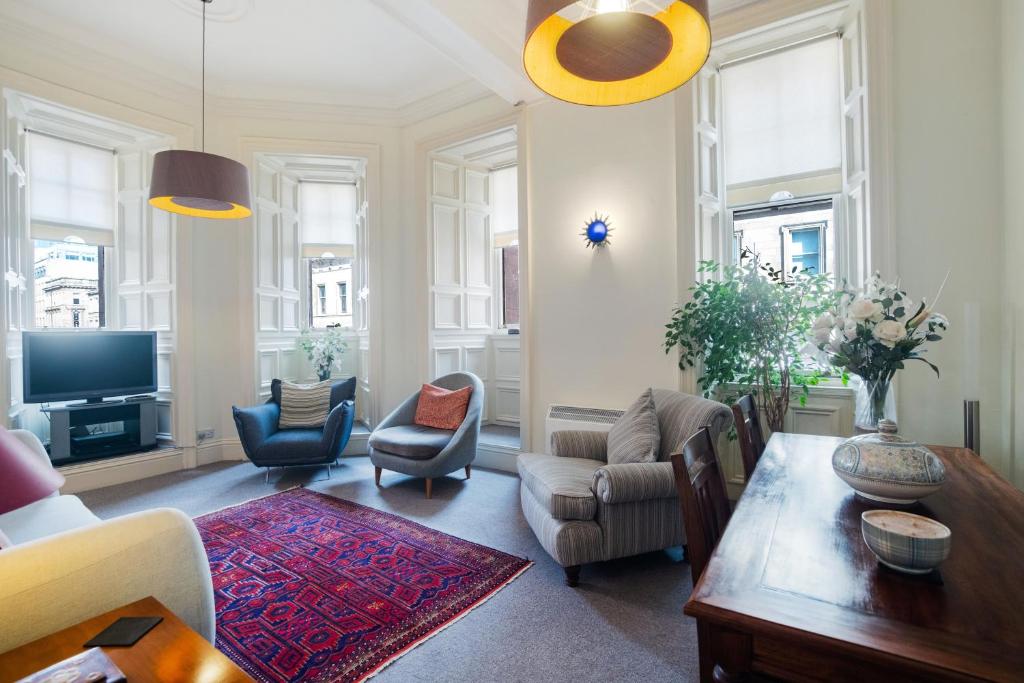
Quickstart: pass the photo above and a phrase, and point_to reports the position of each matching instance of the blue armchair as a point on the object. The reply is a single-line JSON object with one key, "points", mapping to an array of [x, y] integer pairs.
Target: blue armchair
{"points": [[268, 446], [400, 445]]}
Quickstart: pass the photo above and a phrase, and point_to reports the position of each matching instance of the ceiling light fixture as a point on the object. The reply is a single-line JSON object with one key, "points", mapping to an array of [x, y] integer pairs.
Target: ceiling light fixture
{"points": [[619, 52], [197, 183]]}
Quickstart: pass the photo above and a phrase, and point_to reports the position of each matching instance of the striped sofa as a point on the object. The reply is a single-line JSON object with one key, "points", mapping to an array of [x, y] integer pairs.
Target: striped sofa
{"points": [[584, 510]]}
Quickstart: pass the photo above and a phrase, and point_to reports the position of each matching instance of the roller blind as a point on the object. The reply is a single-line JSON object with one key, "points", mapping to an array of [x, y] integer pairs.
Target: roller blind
{"points": [[781, 114], [505, 193], [327, 219], [71, 191]]}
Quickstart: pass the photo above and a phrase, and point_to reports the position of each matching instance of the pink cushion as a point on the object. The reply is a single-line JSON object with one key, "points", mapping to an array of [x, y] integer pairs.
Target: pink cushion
{"points": [[441, 408], [24, 477]]}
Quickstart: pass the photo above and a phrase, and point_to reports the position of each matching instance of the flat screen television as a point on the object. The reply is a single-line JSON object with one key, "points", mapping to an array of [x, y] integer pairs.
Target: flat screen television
{"points": [[69, 365]]}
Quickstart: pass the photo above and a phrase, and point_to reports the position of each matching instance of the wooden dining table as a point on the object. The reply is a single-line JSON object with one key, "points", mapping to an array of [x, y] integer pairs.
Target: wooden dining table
{"points": [[792, 591]]}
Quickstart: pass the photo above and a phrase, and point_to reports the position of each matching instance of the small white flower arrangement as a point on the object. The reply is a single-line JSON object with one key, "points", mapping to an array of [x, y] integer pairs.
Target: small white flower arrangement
{"points": [[323, 349], [871, 333]]}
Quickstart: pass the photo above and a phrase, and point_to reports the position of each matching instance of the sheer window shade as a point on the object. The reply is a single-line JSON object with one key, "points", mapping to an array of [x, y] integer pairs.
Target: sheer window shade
{"points": [[327, 217], [71, 191], [781, 114]]}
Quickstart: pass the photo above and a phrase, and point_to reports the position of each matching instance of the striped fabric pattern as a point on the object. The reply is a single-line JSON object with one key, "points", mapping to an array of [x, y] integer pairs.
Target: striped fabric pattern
{"points": [[580, 444], [681, 415], [569, 542], [304, 405], [642, 527], [561, 485], [635, 482], [635, 436]]}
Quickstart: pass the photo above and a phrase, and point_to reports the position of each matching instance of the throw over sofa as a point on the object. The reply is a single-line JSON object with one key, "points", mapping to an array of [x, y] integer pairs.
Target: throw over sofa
{"points": [[583, 509], [65, 565], [400, 445]]}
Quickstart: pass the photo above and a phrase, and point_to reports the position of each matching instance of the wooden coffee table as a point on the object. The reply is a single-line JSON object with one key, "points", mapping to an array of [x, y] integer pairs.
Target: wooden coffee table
{"points": [[171, 651]]}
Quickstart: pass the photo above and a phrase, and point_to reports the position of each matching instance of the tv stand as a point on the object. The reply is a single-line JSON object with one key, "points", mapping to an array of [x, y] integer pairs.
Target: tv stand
{"points": [[95, 430]]}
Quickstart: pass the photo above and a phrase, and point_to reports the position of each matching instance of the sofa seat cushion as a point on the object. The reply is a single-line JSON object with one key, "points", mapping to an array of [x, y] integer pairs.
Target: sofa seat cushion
{"points": [[46, 517], [415, 442], [562, 485], [292, 447]]}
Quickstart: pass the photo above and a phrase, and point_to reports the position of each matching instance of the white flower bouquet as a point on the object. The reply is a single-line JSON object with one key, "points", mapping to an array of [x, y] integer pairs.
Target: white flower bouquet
{"points": [[323, 349], [872, 333]]}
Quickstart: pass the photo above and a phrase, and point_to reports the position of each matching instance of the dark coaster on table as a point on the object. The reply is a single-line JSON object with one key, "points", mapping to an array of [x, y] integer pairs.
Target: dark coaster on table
{"points": [[124, 632], [933, 577]]}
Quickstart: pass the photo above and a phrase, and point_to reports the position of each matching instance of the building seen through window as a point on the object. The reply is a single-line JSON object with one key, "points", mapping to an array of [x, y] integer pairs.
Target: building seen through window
{"points": [[331, 281], [68, 285]]}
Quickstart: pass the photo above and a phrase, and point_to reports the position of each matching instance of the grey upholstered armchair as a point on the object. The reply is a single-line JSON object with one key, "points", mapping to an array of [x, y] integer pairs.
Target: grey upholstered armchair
{"points": [[268, 446], [400, 445], [584, 510]]}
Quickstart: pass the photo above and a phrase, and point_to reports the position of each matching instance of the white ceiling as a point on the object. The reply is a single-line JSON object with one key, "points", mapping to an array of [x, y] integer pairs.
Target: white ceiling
{"points": [[323, 51], [385, 54]]}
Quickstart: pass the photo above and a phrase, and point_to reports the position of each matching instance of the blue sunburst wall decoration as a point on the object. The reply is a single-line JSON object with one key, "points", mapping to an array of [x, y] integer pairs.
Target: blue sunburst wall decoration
{"points": [[596, 231]]}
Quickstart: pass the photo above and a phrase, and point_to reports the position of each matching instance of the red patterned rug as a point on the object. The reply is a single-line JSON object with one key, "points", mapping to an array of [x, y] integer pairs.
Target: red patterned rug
{"points": [[309, 587]]}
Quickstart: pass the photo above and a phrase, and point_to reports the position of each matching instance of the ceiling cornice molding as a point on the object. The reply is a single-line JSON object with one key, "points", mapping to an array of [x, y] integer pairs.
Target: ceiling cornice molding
{"points": [[21, 39]]}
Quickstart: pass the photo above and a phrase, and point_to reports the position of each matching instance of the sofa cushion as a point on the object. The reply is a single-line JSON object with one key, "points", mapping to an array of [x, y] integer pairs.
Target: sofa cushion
{"points": [[562, 485], [24, 477], [635, 437], [46, 517], [293, 447], [411, 441], [442, 408], [304, 405]]}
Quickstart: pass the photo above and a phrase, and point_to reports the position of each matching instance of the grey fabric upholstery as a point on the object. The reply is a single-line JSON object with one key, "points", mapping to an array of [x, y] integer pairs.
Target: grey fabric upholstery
{"points": [[460, 450], [637, 510], [411, 441], [580, 444], [561, 485]]}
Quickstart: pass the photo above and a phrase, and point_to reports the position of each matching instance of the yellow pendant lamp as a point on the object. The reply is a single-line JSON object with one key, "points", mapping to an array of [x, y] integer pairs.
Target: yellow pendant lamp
{"points": [[198, 183], [613, 52]]}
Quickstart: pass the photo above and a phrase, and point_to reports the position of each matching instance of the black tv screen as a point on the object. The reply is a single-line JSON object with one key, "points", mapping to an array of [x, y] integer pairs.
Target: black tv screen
{"points": [[64, 366]]}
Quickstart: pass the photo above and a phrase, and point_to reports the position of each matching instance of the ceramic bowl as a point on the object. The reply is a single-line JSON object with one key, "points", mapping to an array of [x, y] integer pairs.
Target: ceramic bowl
{"points": [[904, 541], [886, 468]]}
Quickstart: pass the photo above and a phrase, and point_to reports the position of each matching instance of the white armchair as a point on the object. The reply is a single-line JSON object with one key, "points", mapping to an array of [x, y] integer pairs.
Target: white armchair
{"points": [[66, 565]]}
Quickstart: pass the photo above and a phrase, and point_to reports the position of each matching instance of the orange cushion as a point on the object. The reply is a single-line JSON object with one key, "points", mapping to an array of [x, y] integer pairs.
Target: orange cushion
{"points": [[441, 408]]}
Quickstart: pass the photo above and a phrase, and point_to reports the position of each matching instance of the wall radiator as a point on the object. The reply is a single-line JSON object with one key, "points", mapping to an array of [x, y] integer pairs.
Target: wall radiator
{"points": [[564, 418]]}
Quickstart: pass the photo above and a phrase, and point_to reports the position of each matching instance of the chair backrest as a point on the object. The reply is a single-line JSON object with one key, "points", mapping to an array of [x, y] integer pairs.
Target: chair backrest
{"points": [[342, 390], [702, 497], [680, 415], [748, 433]]}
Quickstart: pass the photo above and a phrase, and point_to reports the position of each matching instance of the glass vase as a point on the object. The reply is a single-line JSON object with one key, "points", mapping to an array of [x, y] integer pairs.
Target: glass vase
{"points": [[874, 403]]}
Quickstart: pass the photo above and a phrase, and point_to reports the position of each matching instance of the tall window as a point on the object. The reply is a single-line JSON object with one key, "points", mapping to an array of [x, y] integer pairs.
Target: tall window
{"points": [[505, 218], [327, 220], [72, 197], [781, 114]]}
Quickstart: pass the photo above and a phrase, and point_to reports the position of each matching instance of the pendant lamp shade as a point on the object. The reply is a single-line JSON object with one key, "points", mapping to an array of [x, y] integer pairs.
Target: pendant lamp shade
{"points": [[200, 184], [615, 57]]}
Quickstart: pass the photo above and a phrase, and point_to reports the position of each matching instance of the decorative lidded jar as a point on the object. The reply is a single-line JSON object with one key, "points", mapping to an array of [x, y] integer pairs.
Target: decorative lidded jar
{"points": [[884, 467]]}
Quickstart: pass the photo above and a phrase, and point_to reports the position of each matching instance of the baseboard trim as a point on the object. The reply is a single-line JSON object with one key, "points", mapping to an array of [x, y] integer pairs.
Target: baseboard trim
{"points": [[87, 476], [496, 457]]}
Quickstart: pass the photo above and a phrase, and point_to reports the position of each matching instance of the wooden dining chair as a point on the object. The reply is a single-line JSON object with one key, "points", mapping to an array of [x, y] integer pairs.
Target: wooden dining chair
{"points": [[702, 497], [748, 433]]}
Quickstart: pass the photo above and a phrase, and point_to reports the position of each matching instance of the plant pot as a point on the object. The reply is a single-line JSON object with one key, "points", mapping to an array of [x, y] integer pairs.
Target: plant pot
{"points": [[324, 376]]}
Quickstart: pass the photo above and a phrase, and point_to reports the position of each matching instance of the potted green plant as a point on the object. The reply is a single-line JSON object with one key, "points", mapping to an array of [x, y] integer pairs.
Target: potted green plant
{"points": [[323, 349], [747, 326]]}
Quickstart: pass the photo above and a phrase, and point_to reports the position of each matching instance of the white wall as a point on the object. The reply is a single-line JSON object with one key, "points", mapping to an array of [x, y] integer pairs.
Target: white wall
{"points": [[1012, 311], [948, 202], [597, 317]]}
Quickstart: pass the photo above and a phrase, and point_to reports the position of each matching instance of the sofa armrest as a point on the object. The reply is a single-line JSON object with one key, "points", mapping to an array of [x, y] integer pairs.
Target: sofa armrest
{"points": [[580, 444], [632, 482], [58, 581], [338, 427], [255, 425]]}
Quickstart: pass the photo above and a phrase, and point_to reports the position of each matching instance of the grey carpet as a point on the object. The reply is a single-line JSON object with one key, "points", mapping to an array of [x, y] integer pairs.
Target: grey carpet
{"points": [[623, 623]]}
